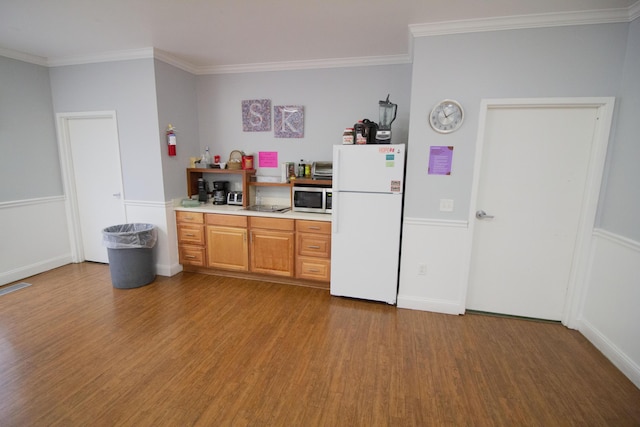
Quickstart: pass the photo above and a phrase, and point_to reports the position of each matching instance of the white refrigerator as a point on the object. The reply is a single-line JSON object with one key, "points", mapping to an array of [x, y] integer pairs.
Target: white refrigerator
{"points": [[367, 196]]}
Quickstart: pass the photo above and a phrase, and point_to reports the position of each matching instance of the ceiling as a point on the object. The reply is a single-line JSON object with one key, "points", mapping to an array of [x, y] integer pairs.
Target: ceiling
{"points": [[210, 34]]}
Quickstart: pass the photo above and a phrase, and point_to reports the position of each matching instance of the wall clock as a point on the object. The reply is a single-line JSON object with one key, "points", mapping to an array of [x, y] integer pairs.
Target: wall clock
{"points": [[446, 116]]}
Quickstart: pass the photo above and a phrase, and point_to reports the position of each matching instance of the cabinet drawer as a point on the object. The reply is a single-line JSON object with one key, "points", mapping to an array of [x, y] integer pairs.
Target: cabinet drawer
{"points": [[193, 234], [321, 227], [190, 217], [271, 223], [192, 255], [316, 245], [227, 220], [313, 268]]}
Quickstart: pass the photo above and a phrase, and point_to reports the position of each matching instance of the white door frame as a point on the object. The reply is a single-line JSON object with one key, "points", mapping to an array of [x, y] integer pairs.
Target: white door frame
{"points": [[68, 181], [605, 105]]}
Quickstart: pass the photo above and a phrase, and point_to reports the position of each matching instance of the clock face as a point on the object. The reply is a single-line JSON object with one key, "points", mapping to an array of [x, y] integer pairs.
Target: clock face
{"points": [[446, 117]]}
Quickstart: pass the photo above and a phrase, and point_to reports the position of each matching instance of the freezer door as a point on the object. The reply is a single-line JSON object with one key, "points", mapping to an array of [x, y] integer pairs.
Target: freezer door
{"points": [[369, 168], [365, 245]]}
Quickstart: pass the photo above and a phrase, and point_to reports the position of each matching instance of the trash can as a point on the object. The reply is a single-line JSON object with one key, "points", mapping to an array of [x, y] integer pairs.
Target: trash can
{"points": [[130, 251]]}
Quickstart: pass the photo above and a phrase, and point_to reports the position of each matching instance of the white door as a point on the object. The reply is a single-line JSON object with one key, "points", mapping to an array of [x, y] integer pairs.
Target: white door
{"points": [[531, 192], [95, 180]]}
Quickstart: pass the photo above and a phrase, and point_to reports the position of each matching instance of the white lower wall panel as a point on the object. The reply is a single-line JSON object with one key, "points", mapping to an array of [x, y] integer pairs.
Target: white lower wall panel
{"points": [[34, 237], [433, 265], [162, 215], [610, 316]]}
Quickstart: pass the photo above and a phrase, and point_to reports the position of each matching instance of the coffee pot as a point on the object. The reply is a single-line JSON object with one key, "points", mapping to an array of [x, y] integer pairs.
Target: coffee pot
{"points": [[388, 111], [365, 132]]}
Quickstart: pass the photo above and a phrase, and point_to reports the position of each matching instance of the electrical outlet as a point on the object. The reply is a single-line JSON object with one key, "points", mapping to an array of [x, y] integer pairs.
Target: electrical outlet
{"points": [[446, 205], [422, 269]]}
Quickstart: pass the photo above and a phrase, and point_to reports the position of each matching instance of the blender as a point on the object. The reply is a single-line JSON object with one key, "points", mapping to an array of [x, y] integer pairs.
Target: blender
{"points": [[388, 112]]}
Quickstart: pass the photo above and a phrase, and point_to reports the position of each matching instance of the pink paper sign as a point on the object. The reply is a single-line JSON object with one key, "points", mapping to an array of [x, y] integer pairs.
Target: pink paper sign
{"points": [[268, 159]]}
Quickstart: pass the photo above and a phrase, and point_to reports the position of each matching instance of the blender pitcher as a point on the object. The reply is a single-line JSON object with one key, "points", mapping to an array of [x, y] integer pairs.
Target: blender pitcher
{"points": [[388, 111]]}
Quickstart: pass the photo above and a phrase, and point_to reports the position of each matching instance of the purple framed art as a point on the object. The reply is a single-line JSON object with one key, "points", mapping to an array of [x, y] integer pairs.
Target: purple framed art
{"points": [[288, 121], [256, 115]]}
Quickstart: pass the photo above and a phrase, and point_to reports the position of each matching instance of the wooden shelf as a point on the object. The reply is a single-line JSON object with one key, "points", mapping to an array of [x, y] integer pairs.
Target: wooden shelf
{"points": [[269, 184], [310, 181], [194, 173]]}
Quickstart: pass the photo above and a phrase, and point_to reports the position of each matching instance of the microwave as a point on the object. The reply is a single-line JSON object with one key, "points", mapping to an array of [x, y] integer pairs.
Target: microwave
{"points": [[312, 199]]}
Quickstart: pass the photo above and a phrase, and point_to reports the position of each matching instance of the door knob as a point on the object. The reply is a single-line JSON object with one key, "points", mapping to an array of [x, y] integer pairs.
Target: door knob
{"points": [[116, 195], [483, 215]]}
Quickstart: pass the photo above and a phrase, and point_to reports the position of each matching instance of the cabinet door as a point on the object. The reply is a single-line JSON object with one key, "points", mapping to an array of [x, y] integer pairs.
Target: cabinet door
{"points": [[272, 252], [227, 248]]}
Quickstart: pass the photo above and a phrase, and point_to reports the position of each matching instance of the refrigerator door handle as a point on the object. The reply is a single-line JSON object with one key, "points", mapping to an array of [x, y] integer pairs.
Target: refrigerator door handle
{"points": [[334, 214], [336, 169]]}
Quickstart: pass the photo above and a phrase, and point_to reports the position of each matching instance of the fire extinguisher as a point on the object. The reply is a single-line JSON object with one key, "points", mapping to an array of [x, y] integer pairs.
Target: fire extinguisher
{"points": [[171, 140]]}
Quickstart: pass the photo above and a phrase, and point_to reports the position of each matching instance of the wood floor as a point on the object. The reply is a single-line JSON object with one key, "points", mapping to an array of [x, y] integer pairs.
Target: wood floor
{"points": [[210, 351]]}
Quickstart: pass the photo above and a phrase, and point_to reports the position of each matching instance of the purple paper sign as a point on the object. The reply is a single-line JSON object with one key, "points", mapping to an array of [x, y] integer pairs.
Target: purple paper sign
{"points": [[440, 159], [268, 159]]}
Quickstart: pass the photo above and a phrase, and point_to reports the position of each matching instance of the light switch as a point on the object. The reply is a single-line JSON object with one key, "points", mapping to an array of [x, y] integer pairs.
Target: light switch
{"points": [[446, 205]]}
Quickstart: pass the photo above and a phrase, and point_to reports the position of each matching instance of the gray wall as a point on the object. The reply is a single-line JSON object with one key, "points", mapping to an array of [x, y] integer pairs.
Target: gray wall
{"points": [[332, 98], [29, 165], [620, 206], [177, 105], [128, 87], [577, 61]]}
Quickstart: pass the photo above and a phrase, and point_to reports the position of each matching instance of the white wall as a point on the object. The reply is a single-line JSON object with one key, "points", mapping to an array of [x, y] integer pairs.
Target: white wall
{"points": [[34, 237], [177, 105], [28, 161], [332, 98], [579, 61], [33, 226], [611, 317], [128, 87]]}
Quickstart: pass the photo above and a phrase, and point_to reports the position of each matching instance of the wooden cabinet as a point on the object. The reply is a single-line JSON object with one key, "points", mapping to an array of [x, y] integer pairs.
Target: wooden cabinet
{"points": [[272, 246], [227, 243], [288, 250], [313, 253], [191, 249]]}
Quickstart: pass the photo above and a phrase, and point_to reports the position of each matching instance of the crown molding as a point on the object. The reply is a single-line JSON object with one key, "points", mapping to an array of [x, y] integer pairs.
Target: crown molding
{"points": [[175, 61], [542, 20], [634, 11], [24, 57], [121, 55], [415, 30], [307, 65]]}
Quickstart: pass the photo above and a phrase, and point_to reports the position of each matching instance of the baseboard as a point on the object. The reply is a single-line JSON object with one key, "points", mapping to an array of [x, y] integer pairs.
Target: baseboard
{"points": [[425, 304], [611, 352], [33, 269], [168, 270]]}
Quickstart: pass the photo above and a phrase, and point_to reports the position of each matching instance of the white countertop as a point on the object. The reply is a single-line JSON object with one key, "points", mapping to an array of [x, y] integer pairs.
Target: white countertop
{"points": [[238, 210]]}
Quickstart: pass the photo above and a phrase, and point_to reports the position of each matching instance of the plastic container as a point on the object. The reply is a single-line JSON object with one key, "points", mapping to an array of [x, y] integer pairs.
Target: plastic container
{"points": [[130, 252], [247, 162], [347, 136]]}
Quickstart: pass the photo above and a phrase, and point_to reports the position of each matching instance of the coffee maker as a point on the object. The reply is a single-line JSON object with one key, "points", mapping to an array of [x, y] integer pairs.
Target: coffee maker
{"points": [[388, 111], [220, 190]]}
